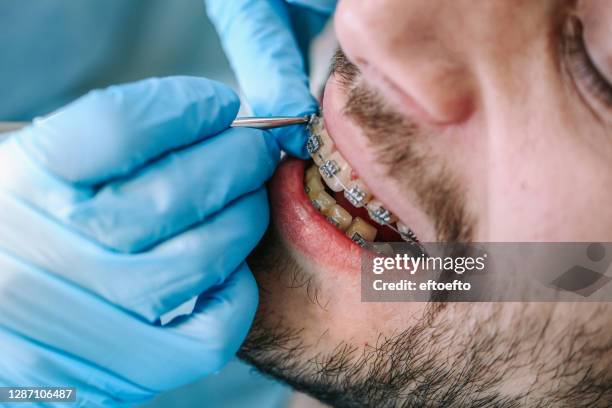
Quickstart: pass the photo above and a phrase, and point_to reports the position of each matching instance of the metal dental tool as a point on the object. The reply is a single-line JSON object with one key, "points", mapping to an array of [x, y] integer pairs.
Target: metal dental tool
{"points": [[10, 126], [270, 122]]}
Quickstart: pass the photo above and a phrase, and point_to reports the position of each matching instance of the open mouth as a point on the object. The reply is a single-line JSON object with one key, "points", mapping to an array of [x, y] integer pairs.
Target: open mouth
{"points": [[338, 193], [325, 219]]}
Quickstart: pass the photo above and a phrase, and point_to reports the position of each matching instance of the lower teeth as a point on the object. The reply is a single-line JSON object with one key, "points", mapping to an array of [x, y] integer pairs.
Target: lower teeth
{"points": [[339, 217], [357, 229], [322, 201], [361, 232], [358, 239]]}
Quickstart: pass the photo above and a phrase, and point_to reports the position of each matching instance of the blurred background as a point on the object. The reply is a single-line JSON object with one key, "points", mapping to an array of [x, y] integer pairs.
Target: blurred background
{"points": [[74, 46], [70, 47]]}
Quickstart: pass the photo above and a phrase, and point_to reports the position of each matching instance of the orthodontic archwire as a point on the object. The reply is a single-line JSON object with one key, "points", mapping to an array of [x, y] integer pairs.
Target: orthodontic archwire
{"points": [[409, 236], [406, 237]]}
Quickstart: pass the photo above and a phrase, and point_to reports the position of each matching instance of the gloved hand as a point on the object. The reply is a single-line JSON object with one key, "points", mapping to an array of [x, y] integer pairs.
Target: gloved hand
{"points": [[115, 210], [266, 55]]}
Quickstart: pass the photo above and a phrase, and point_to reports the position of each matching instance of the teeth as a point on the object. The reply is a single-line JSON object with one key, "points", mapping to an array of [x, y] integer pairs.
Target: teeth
{"points": [[402, 228], [322, 201], [337, 175], [336, 172], [316, 123], [379, 213], [405, 232], [314, 185], [312, 172], [383, 249], [357, 193], [361, 232], [339, 217], [320, 146]]}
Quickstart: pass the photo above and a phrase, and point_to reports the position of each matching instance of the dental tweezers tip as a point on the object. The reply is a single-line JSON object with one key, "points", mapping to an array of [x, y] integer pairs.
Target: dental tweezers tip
{"points": [[271, 122]]}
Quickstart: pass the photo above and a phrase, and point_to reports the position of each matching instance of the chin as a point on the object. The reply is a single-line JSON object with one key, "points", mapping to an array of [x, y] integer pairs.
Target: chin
{"points": [[308, 272]]}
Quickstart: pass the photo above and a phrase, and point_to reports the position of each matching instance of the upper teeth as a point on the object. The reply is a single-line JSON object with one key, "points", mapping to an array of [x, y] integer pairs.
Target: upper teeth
{"points": [[335, 171], [319, 145], [355, 196], [405, 232], [379, 213], [329, 169], [337, 174], [313, 144]]}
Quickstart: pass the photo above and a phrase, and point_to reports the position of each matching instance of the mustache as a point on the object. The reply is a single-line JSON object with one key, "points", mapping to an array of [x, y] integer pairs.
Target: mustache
{"points": [[400, 146]]}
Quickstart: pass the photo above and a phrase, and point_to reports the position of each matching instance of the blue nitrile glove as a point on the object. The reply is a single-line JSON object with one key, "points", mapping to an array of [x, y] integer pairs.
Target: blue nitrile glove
{"points": [[264, 52], [115, 210]]}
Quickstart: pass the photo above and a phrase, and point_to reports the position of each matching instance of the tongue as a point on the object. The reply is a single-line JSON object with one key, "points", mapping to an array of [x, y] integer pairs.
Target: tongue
{"points": [[385, 234]]}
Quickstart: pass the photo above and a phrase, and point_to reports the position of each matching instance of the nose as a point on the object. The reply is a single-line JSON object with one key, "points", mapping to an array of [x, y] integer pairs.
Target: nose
{"points": [[411, 49]]}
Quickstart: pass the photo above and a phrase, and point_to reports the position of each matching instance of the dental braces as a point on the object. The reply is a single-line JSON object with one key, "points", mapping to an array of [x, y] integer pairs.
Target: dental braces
{"points": [[333, 222], [354, 194], [381, 215], [313, 144], [358, 239], [330, 168]]}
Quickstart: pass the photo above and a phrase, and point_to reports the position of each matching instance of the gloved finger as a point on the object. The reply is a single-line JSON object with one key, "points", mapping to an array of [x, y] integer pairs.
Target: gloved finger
{"points": [[63, 317], [262, 49], [24, 178], [220, 320], [95, 386], [110, 132], [147, 284], [180, 190], [201, 258]]}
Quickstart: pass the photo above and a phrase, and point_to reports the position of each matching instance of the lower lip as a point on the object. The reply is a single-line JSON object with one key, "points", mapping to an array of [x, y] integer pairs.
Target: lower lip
{"points": [[303, 227]]}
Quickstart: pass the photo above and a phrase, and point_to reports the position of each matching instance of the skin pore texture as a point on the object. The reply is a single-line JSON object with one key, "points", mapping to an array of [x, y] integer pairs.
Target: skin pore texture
{"points": [[472, 120]]}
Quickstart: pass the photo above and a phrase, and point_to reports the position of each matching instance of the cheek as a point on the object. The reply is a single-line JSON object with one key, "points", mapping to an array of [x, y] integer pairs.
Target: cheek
{"points": [[547, 186], [525, 192], [366, 324]]}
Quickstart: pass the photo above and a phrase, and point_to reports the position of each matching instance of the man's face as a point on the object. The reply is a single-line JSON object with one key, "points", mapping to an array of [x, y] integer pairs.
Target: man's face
{"points": [[471, 121]]}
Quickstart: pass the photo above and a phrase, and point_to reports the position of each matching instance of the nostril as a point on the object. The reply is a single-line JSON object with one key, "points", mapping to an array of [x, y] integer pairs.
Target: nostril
{"points": [[450, 95], [412, 62], [455, 110]]}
